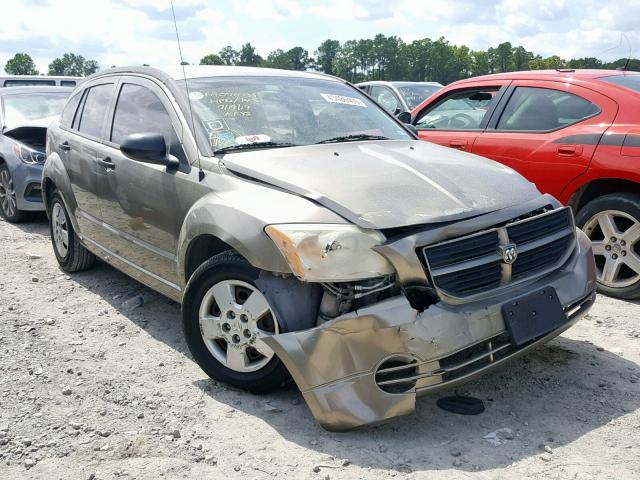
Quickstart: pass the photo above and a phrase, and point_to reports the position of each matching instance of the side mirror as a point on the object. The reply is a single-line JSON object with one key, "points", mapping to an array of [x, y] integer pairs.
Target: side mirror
{"points": [[148, 148], [404, 117]]}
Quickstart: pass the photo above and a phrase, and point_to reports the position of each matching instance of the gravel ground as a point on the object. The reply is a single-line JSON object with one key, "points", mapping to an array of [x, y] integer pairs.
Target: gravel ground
{"points": [[90, 389]]}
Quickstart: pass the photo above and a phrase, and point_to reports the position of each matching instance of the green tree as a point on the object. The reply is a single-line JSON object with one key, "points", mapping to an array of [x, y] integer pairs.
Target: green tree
{"points": [[480, 64], [20, 64], [586, 62], [248, 56], [521, 58], [299, 58], [501, 57], [211, 59], [74, 65], [327, 55], [229, 56], [277, 59]]}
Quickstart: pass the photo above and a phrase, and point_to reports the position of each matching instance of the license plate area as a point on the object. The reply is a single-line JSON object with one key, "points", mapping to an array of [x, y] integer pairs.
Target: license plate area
{"points": [[533, 315]]}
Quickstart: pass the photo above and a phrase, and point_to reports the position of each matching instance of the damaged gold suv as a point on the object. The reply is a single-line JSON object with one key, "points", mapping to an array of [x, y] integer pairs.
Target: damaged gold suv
{"points": [[307, 233]]}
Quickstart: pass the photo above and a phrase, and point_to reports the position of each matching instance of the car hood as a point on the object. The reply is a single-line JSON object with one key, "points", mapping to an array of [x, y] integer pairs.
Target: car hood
{"points": [[34, 123], [387, 184]]}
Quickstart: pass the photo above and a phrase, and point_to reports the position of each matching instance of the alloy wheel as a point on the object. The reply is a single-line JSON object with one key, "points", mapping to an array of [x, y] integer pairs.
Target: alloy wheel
{"points": [[60, 229], [615, 237], [7, 193], [234, 316]]}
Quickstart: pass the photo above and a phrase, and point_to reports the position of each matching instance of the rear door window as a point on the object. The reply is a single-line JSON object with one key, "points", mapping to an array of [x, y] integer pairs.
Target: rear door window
{"points": [[94, 112], [460, 110], [543, 109]]}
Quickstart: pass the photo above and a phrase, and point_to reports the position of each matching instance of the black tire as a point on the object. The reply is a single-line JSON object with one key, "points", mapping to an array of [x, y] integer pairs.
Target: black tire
{"points": [[14, 216], [628, 203], [76, 258], [226, 266]]}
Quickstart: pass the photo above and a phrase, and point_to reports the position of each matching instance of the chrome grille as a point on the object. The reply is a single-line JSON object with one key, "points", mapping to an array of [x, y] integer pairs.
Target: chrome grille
{"points": [[470, 265]]}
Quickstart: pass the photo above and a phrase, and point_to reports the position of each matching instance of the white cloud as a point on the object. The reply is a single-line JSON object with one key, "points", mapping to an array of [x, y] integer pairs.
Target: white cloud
{"points": [[124, 32]]}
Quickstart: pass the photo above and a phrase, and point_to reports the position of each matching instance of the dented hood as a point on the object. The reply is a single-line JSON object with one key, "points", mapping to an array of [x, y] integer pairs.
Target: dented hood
{"points": [[387, 184]]}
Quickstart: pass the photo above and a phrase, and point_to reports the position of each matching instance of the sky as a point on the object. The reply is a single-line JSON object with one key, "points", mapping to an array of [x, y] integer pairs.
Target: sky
{"points": [[133, 32]]}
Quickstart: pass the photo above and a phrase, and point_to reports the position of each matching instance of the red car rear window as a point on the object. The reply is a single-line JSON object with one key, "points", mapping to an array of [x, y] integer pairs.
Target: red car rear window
{"points": [[631, 82]]}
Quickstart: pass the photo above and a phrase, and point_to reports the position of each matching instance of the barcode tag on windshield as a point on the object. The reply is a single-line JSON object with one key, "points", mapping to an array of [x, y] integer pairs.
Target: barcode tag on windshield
{"points": [[329, 97]]}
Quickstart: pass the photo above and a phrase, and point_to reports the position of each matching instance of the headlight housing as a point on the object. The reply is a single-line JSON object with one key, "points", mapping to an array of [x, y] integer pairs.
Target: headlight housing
{"points": [[28, 155], [330, 253]]}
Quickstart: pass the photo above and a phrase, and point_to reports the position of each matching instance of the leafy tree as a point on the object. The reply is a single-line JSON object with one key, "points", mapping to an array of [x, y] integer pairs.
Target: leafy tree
{"points": [[72, 65], [229, 56], [211, 59], [326, 56], [632, 64], [21, 64], [248, 56], [299, 58], [521, 58], [277, 59], [586, 62]]}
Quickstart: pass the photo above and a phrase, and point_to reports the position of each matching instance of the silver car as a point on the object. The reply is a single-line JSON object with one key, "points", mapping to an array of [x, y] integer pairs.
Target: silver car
{"points": [[309, 235], [25, 113], [397, 97]]}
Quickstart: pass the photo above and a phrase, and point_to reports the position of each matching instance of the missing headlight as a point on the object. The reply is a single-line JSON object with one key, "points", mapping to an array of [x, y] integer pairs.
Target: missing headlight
{"points": [[343, 297]]}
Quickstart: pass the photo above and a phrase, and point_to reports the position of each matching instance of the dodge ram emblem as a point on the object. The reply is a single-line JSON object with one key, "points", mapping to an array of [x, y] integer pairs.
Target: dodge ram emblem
{"points": [[508, 253]]}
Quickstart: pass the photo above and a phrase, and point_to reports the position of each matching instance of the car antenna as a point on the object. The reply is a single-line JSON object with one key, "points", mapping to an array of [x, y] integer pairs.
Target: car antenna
{"points": [[186, 85], [626, 63]]}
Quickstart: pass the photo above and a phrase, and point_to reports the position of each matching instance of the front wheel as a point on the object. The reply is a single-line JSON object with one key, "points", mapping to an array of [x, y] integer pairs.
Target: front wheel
{"points": [[612, 223], [8, 201], [225, 316]]}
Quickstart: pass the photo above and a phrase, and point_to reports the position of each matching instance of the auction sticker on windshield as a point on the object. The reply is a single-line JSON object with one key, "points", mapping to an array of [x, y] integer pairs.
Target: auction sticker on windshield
{"points": [[330, 97]]}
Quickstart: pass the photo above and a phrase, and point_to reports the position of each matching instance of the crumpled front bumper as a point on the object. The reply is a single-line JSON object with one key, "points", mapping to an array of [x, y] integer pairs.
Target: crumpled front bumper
{"points": [[335, 364]]}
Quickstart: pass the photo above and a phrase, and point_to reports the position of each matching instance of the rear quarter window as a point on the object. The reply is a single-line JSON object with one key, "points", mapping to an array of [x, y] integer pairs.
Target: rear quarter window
{"points": [[69, 111], [95, 109]]}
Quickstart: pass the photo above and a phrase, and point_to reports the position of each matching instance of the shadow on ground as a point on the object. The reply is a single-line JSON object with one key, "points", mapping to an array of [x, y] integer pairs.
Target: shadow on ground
{"points": [[553, 396]]}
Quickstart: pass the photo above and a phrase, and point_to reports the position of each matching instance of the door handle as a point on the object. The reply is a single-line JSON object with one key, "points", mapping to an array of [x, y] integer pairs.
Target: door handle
{"points": [[107, 163], [459, 144], [64, 146], [570, 150]]}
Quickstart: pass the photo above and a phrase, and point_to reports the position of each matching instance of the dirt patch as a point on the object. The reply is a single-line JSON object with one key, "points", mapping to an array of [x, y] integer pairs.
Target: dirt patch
{"points": [[92, 386]]}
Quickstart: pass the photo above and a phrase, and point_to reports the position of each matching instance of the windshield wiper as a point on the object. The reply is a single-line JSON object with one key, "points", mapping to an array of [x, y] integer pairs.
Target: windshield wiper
{"points": [[249, 146], [353, 138]]}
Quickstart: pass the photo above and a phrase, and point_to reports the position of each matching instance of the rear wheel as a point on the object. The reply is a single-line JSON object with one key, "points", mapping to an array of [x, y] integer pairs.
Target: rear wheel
{"points": [[70, 253], [8, 201], [225, 317], [612, 223]]}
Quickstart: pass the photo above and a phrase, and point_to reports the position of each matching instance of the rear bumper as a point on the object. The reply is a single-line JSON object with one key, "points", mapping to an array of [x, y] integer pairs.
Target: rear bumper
{"points": [[335, 365]]}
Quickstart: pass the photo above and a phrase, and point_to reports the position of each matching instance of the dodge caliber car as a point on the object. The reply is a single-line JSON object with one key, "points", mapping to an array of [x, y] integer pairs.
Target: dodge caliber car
{"points": [[308, 234], [575, 134], [25, 113]]}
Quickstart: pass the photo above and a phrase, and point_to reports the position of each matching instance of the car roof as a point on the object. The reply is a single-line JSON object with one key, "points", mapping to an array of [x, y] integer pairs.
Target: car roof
{"points": [[35, 89], [203, 71], [558, 75]]}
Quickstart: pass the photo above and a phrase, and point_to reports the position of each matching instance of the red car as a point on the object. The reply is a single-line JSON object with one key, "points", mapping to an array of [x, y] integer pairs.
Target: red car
{"points": [[575, 134]]}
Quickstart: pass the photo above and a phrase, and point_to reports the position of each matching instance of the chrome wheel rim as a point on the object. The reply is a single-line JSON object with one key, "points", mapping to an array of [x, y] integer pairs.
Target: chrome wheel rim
{"points": [[234, 317], [7, 194], [60, 229], [615, 237]]}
